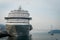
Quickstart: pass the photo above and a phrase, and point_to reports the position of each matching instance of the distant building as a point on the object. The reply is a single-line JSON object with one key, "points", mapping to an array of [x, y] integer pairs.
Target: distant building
{"points": [[54, 31], [2, 27]]}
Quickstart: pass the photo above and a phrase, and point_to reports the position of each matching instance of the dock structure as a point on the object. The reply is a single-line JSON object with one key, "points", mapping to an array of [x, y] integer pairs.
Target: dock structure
{"points": [[18, 24]]}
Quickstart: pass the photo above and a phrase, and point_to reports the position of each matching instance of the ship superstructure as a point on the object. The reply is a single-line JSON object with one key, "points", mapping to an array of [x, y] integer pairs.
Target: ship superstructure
{"points": [[18, 23]]}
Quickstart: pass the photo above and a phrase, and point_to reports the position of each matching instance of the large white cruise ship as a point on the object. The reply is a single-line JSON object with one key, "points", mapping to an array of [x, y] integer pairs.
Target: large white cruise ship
{"points": [[18, 23]]}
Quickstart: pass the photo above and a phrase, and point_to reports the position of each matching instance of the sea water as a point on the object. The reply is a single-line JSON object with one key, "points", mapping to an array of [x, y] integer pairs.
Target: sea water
{"points": [[41, 36], [45, 36]]}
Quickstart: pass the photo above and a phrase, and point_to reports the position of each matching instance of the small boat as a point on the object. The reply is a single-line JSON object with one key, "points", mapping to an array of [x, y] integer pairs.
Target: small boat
{"points": [[52, 34], [4, 34]]}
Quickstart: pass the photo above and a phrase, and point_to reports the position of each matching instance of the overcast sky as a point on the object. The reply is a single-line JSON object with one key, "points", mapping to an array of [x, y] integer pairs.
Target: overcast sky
{"points": [[44, 13]]}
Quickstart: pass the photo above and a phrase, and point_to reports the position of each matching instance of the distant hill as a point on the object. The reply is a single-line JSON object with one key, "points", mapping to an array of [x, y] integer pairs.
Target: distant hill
{"points": [[54, 31], [2, 27]]}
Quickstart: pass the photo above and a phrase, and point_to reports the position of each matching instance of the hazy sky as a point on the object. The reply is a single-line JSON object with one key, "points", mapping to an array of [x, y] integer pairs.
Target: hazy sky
{"points": [[44, 13]]}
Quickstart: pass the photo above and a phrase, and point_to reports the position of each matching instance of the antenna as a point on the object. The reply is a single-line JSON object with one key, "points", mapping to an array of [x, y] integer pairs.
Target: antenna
{"points": [[20, 8], [51, 27]]}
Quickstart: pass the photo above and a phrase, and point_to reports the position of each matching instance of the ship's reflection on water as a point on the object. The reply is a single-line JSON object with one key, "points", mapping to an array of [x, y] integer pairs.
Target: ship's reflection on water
{"points": [[20, 38], [24, 38]]}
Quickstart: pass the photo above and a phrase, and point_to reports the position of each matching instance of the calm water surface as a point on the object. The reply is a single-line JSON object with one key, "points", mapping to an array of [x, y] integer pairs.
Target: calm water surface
{"points": [[42, 36], [45, 36]]}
